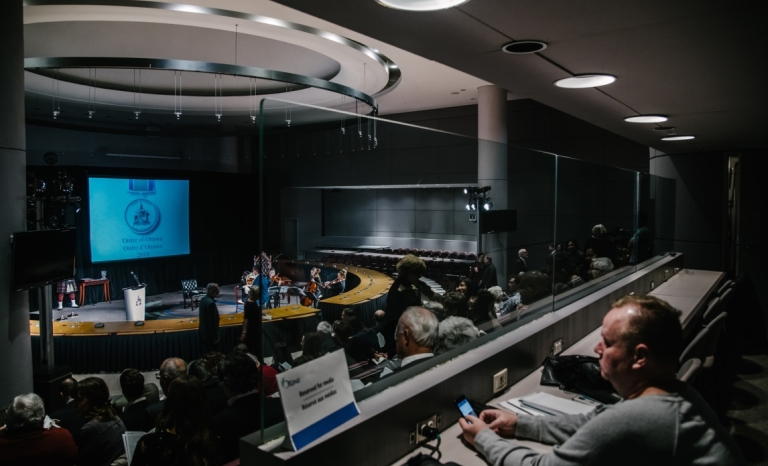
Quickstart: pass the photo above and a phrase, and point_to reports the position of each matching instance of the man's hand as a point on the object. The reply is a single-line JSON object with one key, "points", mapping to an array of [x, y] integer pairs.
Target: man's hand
{"points": [[471, 427], [501, 422]]}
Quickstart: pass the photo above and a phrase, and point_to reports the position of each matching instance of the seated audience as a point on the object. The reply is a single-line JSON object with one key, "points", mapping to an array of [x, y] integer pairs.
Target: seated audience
{"points": [[268, 373], [379, 316], [416, 337], [498, 297], [455, 303], [312, 348], [282, 359], [455, 331], [661, 421], [239, 378], [563, 272], [464, 285], [101, 439], [151, 392], [67, 417], [217, 399], [572, 249], [534, 286], [213, 359], [437, 309], [132, 385], [243, 348], [600, 265], [357, 349], [482, 313], [514, 301], [169, 370], [182, 436], [25, 440], [325, 331]]}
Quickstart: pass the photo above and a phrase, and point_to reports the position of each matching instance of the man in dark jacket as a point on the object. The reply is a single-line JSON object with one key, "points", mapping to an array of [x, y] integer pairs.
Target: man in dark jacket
{"points": [[489, 275], [209, 319]]}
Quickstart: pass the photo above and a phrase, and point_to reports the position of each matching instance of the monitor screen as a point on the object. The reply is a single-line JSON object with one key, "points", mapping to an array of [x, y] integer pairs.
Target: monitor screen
{"points": [[42, 257], [498, 221], [137, 218]]}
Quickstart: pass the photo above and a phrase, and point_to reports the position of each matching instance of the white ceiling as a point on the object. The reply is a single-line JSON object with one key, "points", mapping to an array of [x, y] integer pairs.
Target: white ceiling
{"points": [[120, 31], [700, 62]]}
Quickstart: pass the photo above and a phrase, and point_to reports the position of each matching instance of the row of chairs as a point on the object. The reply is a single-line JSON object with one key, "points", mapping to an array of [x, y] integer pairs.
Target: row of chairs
{"points": [[701, 362], [434, 253]]}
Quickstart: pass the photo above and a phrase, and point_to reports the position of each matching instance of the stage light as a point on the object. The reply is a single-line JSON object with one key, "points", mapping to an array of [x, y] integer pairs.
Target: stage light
{"points": [[465, 191], [473, 207], [468, 208], [488, 205]]}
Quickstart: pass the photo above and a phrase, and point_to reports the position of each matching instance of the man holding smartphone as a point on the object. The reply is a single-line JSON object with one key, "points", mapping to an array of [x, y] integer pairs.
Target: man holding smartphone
{"points": [[660, 421]]}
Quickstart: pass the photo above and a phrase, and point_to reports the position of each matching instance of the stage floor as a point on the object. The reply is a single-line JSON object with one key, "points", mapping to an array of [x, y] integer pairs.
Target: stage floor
{"points": [[159, 307]]}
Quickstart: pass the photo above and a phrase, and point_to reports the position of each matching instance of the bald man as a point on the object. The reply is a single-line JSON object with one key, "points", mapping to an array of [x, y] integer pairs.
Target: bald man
{"points": [[521, 264], [661, 420]]}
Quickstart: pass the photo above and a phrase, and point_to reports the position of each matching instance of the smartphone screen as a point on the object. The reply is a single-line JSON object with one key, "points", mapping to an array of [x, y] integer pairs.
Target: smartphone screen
{"points": [[465, 407]]}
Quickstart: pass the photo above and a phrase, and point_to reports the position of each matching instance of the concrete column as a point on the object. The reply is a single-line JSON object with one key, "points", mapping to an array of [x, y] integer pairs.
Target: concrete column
{"points": [[15, 347], [492, 166]]}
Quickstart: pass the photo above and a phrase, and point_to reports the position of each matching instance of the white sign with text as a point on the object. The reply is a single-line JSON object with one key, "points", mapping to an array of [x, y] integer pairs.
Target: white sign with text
{"points": [[317, 397]]}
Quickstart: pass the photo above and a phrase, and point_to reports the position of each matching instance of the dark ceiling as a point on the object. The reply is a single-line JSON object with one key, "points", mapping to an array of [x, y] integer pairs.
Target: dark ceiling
{"points": [[700, 62]]}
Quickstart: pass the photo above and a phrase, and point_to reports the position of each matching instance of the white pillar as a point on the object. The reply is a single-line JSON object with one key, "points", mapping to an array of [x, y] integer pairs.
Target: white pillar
{"points": [[492, 166]]}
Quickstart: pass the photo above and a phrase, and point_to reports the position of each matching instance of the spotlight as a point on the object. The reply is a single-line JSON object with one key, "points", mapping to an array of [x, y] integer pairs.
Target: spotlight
{"points": [[488, 205], [473, 207], [465, 191], [468, 208]]}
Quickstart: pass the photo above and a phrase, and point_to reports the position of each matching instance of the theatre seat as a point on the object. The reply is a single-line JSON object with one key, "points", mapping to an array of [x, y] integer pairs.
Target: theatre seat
{"points": [[689, 371], [191, 292]]}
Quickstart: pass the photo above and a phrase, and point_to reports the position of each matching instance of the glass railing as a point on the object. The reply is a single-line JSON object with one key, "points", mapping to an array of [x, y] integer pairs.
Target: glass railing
{"points": [[374, 190]]}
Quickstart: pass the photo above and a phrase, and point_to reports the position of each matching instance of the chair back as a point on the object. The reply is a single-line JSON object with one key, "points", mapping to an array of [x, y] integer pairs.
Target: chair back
{"points": [[695, 348], [689, 370], [726, 298], [713, 309], [715, 328], [189, 285], [727, 285]]}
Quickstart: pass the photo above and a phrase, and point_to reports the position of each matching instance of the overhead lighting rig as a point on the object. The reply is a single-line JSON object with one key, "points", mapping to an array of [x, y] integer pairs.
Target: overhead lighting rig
{"points": [[478, 197]]}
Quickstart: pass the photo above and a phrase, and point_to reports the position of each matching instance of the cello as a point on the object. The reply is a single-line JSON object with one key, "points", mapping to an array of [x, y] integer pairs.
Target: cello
{"points": [[310, 288]]}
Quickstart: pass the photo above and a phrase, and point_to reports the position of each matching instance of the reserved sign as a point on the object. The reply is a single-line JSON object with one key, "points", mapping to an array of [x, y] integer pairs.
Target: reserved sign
{"points": [[317, 397]]}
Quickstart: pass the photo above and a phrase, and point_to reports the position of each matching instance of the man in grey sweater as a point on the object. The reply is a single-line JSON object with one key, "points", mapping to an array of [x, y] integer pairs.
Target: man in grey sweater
{"points": [[661, 420]]}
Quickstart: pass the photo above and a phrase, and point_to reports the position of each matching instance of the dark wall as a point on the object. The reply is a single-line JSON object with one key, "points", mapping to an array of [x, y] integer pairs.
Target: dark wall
{"points": [[752, 226]]}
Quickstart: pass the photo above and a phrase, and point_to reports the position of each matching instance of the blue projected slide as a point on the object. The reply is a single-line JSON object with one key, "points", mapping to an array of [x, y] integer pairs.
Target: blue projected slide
{"points": [[138, 219]]}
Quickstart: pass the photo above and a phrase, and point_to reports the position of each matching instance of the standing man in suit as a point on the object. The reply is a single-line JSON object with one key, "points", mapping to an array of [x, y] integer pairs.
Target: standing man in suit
{"points": [[521, 264], [209, 319], [489, 274]]}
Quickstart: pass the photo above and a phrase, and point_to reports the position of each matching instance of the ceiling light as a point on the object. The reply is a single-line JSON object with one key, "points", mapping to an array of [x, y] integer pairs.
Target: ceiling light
{"points": [[421, 5], [581, 81], [393, 66], [678, 138], [521, 47], [664, 128], [465, 190], [646, 119]]}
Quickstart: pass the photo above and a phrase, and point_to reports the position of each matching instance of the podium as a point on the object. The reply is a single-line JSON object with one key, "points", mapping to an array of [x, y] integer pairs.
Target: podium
{"points": [[135, 302]]}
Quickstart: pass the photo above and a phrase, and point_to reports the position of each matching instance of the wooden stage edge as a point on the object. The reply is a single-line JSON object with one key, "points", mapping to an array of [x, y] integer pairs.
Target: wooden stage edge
{"points": [[373, 284]]}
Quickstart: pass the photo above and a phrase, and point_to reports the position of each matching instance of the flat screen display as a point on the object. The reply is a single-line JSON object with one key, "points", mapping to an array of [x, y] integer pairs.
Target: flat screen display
{"points": [[497, 221], [137, 218], [43, 257]]}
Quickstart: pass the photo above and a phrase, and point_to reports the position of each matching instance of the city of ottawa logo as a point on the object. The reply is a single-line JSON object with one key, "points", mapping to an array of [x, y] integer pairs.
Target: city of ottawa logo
{"points": [[142, 216]]}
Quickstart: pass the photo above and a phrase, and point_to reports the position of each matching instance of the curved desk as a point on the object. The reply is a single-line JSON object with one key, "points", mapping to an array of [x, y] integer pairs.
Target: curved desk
{"points": [[368, 296], [119, 345]]}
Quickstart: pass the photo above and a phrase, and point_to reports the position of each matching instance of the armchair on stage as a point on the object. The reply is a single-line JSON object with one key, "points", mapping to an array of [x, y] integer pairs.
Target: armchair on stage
{"points": [[191, 292]]}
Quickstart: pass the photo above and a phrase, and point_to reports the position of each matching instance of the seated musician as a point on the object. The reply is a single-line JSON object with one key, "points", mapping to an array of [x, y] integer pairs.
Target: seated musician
{"points": [[336, 287], [313, 288], [245, 283]]}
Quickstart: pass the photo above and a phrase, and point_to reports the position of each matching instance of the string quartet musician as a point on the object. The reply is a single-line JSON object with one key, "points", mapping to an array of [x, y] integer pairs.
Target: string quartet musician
{"points": [[336, 287], [313, 289]]}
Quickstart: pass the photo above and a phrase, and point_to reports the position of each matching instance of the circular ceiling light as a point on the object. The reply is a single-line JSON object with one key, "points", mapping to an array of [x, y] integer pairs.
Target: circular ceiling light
{"points": [[582, 81], [664, 128], [678, 138], [646, 119], [521, 47], [421, 5]]}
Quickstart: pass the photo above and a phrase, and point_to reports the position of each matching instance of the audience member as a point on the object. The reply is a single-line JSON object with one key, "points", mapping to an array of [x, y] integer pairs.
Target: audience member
{"points": [[572, 248], [213, 359], [268, 373], [406, 291], [416, 337], [436, 308], [521, 264], [534, 286], [209, 319], [132, 385], [67, 417], [239, 378], [600, 265], [169, 370], [182, 436], [251, 333], [349, 312], [599, 240], [26, 440], [312, 348], [455, 304], [489, 274], [379, 316], [498, 297], [101, 439], [282, 360], [476, 269], [325, 331], [455, 331], [217, 399], [464, 285], [563, 272], [661, 421], [482, 312], [243, 348]]}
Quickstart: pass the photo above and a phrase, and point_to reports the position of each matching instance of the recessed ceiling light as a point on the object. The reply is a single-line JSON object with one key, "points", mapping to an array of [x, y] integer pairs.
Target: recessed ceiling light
{"points": [[581, 81], [520, 47], [664, 128], [421, 5], [646, 119], [678, 138], [393, 66]]}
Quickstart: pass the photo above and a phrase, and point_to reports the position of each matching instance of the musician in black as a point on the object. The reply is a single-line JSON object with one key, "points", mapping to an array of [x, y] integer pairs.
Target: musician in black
{"points": [[336, 287]]}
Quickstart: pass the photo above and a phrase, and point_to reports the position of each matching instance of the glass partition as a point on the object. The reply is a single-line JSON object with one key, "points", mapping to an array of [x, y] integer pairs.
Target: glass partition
{"points": [[365, 192]]}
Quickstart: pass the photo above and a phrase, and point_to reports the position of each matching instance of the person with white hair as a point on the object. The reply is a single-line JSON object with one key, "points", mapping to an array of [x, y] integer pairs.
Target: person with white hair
{"points": [[415, 338], [521, 264], [25, 439], [455, 331]]}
